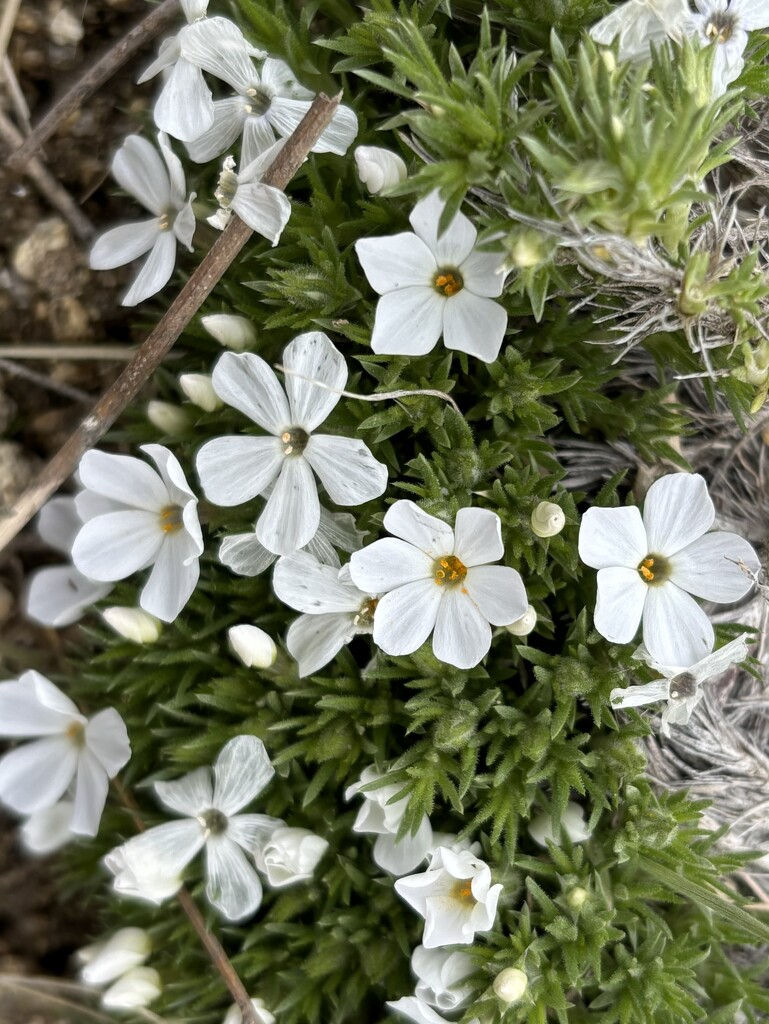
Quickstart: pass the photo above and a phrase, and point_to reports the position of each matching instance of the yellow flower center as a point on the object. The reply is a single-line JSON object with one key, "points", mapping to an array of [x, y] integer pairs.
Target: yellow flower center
{"points": [[448, 282], [164, 222], [463, 891], [76, 733], [258, 101], [294, 440], [720, 27], [654, 569], [449, 571], [365, 616], [171, 519]]}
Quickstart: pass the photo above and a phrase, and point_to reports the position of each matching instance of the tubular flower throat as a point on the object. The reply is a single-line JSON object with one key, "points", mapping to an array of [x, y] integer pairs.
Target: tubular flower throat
{"points": [[449, 571], [654, 569], [171, 519], [448, 282]]}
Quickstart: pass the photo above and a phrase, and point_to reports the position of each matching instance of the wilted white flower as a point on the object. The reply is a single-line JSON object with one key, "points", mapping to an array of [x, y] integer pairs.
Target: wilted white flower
{"points": [[47, 830], [263, 1015], [649, 568], [153, 883], [200, 391], [636, 25], [510, 985], [254, 647], [433, 286], [263, 208], [440, 974], [105, 961], [290, 855], [159, 186], [547, 519], [572, 822], [133, 623], [68, 748], [382, 816], [378, 168], [168, 418], [138, 987], [526, 623], [235, 332]]}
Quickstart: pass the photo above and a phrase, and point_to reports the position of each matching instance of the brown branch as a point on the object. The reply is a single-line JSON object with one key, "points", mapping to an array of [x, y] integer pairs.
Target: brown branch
{"points": [[150, 25], [189, 300]]}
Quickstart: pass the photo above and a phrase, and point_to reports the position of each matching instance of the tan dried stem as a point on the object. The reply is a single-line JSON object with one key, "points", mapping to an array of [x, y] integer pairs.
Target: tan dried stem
{"points": [[187, 303]]}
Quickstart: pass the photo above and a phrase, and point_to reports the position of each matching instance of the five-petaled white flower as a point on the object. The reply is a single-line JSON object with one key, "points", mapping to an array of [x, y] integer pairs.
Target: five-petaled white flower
{"points": [[649, 568], [68, 748], [725, 24], [210, 806], [334, 609], [433, 577], [433, 285], [680, 687], [440, 974], [454, 896], [135, 517], [636, 25], [382, 816], [159, 187], [235, 469], [263, 208]]}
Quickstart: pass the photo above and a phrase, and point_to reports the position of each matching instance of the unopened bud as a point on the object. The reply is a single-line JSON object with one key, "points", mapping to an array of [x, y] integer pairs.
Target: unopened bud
{"points": [[169, 419], [122, 952], [262, 1014], [135, 989], [547, 519], [291, 855], [133, 624], [379, 169], [233, 332], [617, 128], [609, 60], [253, 646], [577, 897], [527, 250], [200, 391], [510, 985], [524, 625]]}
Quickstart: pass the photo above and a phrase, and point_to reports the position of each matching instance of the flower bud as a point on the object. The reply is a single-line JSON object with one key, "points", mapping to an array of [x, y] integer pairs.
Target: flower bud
{"points": [[291, 855], [572, 822], [577, 897], [262, 1014], [547, 519], [122, 952], [524, 625], [510, 985], [136, 988], [379, 169], [253, 646], [169, 419], [133, 623], [233, 332], [200, 391]]}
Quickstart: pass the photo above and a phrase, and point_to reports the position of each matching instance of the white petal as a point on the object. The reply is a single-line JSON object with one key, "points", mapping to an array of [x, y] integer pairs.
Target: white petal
{"points": [[482, 273], [123, 244], [474, 325], [498, 592], [340, 134], [241, 772], [218, 46], [106, 737], [719, 661], [112, 547], [90, 794], [462, 634], [59, 596], [314, 640], [389, 563], [396, 261], [347, 469], [676, 631], [252, 831], [32, 706], [123, 478], [184, 224], [312, 357], [285, 114], [677, 511], [173, 578], [753, 14], [190, 795], [245, 555], [265, 209], [303, 583], [58, 524], [184, 108], [258, 167], [336, 530], [455, 244], [155, 272], [47, 830], [416, 1010], [247, 383], [169, 52], [162, 852], [171, 473], [229, 117], [477, 537], [138, 987], [706, 568], [403, 855], [235, 469], [233, 885], [612, 536], [138, 168], [292, 513], [406, 520], [635, 696], [405, 617], [619, 603], [258, 139], [37, 774], [408, 321]]}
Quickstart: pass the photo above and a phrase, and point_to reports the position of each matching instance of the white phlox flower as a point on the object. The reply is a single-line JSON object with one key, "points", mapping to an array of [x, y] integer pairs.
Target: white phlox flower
{"points": [[263, 1015], [436, 578], [334, 609], [263, 208], [233, 470], [105, 961], [158, 184], [725, 24], [382, 816], [680, 687], [150, 864], [269, 103], [47, 830], [290, 855], [135, 517], [572, 823], [636, 25], [454, 896], [68, 749], [649, 567], [432, 286], [414, 1008], [440, 974], [59, 595]]}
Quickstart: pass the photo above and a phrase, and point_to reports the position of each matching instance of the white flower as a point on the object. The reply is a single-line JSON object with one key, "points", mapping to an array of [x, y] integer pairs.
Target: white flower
{"points": [[335, 610], [290, 855], [235, 332], [526, 623], [263, 208], [105, 961], [433, 577], [48, 829], [572, 823], [680, 687], [133, 624], [440, 974], [637, 24], [136, 517], [263, 1015], [510, 985], [454, 896], [68, 746], [210, 806], [725, 24], [269, 103], [649, 567], [200, 391], [382, 816], [135, 989], [378, 168], [159, 187], [235, 469], [59, 595], [254, 647], [454, 843], [432, 286], [415, 1009]]}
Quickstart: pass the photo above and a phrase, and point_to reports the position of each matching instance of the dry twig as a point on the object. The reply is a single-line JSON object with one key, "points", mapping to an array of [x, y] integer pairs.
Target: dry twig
{"points": [[65, 390]]}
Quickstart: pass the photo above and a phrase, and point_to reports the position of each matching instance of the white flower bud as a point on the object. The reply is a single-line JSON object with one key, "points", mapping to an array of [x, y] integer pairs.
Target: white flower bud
{"points": [[524, 625], [572, 821], [122, 952], [547, 519], [233, 332], [254, 647], [200, 391], [262, 1014], [510, 985], [133, 623], [577, 897], [136, 988], [169, 419], [291, 855], [379, 169]]}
